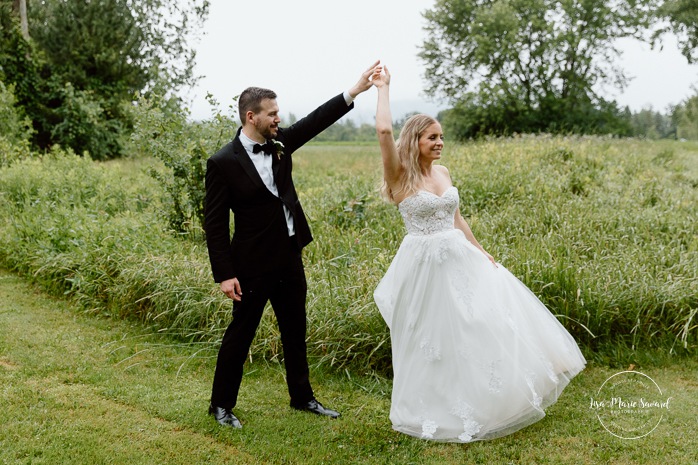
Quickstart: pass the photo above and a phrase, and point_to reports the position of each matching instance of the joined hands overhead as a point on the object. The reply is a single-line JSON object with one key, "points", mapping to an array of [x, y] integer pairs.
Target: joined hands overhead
{"points": [[372, 76], [381, 76]]}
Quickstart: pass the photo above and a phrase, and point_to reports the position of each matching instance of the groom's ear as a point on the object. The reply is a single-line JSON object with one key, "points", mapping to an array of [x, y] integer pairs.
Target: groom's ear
{"points": [[249, 117]]}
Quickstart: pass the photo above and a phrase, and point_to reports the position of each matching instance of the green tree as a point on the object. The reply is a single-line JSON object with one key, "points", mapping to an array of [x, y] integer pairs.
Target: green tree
{"points": [[15, 129], [92, 57], [20, 6], [120, 46], [19, 67], [686, 118], [682, 16], [530, 65]]}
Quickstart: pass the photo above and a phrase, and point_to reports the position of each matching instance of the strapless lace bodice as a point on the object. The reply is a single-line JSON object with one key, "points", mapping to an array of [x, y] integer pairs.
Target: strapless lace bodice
{"points": [[426, 213]]}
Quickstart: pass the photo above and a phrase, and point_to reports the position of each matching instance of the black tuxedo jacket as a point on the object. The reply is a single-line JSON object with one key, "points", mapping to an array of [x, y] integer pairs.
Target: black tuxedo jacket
{"points": [[260, 239]]}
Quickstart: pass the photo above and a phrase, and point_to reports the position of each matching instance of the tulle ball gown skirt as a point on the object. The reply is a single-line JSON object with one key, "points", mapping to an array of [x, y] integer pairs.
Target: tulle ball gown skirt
{"points": [[476, 355]]}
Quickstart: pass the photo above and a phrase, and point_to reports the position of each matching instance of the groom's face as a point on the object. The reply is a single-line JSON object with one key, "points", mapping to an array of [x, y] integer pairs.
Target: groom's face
{"points": [[267, 120]]}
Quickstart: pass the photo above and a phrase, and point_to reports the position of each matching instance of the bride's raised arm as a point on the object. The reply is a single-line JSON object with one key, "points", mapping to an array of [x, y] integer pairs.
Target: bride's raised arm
{"points": [[384, 128]]}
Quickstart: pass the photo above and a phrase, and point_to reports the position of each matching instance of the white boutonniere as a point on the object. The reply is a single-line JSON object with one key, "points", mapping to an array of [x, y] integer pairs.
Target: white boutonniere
{"points": [[278, 148]]}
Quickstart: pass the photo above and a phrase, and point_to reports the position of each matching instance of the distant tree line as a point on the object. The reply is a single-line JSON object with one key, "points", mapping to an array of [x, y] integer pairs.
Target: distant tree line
{"points": [[678, 122]]}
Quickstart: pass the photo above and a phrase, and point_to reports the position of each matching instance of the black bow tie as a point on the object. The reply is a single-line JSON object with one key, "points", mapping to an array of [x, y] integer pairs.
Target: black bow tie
{"points": [[268, 148]]}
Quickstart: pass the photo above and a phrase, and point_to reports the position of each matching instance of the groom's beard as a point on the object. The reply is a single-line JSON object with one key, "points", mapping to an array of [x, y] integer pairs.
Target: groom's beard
{"points": [[268, 132]]}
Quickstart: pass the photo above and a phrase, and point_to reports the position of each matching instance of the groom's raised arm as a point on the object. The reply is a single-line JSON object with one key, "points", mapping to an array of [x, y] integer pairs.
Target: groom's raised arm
{"points": [[326, 114]]}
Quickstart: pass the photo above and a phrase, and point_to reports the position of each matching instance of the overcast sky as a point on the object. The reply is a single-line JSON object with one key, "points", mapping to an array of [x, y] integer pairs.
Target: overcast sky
{"points": [[310, 50]]}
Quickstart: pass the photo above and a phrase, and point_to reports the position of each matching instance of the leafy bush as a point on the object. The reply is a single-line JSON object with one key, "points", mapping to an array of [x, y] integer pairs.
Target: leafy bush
{"points": [[14, 126], [183, 147], [83, 125], [15, 130]]}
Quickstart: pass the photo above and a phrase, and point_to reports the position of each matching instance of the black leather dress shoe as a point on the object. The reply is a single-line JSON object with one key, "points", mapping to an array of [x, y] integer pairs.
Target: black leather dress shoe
{"points": [[224, 416], [316, 407]]}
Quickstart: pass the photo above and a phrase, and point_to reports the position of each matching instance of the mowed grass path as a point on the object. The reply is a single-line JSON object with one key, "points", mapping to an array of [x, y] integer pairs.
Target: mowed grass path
{"points": [[78, 389]]}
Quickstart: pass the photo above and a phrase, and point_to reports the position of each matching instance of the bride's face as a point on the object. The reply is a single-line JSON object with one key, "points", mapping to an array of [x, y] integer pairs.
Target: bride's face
{"points": [[431, 142]]}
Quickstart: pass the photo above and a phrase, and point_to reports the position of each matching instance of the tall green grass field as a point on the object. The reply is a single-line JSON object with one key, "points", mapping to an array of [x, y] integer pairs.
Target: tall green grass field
{"points": [[603, 230]]}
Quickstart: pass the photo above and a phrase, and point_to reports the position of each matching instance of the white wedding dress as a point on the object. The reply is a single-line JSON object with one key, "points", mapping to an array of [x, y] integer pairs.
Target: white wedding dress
{"points": [[475, 354]]}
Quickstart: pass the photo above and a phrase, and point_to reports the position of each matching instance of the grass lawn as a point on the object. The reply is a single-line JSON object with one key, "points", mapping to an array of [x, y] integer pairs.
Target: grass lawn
{"points": [[78, 389]]}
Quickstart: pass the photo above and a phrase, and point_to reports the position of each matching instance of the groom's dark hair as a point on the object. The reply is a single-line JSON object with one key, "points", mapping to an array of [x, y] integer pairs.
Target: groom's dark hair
{"points": [[251, 100]]}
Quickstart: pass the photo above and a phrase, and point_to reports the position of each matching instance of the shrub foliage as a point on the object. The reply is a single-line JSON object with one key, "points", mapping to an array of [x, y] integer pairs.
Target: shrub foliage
{"points": [[604, 231], [183, 148]]}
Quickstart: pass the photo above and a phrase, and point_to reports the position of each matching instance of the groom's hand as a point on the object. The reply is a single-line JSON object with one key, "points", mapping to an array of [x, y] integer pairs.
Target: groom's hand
{"points": [[231, 288], [364, 81]]}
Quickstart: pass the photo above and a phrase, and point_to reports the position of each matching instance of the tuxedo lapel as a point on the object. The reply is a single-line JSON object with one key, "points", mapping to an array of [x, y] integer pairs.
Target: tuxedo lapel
{"points": [[244, 159], [275, 167]]}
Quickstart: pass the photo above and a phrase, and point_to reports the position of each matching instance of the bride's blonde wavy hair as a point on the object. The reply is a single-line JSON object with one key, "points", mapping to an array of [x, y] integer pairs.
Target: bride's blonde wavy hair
{"points": [[408, 153]]}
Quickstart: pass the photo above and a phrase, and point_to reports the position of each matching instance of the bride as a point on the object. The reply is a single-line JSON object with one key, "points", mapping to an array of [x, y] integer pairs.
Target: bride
{"points": [[475, 354]]}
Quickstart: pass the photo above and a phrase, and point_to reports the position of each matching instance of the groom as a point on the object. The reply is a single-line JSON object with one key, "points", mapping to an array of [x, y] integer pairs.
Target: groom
{"points": [[251, 176]]}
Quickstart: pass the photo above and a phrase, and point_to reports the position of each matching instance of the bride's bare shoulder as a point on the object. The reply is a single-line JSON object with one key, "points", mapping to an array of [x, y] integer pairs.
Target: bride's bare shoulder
{"points": [[441, 169]]}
